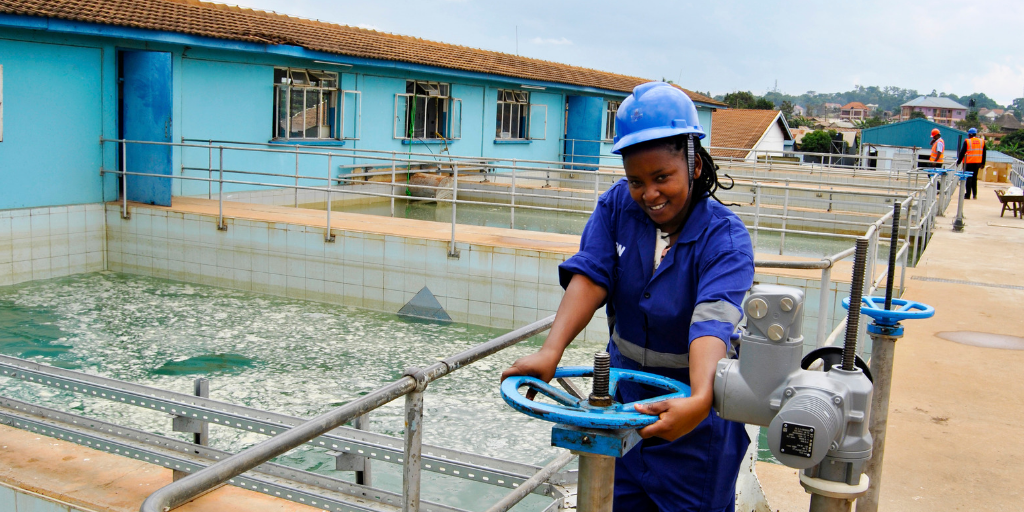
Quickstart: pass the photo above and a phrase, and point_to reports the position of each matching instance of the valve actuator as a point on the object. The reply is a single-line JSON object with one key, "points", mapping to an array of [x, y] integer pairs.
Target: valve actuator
{"points": [[810, 415]]}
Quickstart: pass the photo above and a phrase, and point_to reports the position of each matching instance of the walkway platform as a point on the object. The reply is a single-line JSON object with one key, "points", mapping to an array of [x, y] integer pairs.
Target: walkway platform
{"points": [[955, 437]]}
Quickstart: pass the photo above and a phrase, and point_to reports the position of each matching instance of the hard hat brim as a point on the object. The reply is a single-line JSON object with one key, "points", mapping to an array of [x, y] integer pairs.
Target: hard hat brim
{"points": [[653, 134]]}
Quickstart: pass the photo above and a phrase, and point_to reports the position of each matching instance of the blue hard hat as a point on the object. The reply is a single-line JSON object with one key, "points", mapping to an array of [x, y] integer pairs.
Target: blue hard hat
{"points": [[972, 131], [655, 110]]}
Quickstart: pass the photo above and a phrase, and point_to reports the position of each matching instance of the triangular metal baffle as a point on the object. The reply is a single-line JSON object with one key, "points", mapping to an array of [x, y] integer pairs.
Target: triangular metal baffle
{"points": [[425, 305]]}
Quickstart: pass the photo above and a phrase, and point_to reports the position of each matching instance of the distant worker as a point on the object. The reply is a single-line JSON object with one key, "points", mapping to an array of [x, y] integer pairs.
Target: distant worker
{"points": [[972, 154], [938, 148]]}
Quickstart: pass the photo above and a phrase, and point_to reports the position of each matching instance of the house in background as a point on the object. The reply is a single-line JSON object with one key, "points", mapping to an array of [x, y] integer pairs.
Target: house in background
{"points": [[182, 70], [799, 111], [940, 110], [853, 112], [989, 115], [742, 133], [1007, 123]]}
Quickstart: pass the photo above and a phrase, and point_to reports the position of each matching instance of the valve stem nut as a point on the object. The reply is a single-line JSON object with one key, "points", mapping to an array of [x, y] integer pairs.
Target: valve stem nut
{"points": [[600, 397]]}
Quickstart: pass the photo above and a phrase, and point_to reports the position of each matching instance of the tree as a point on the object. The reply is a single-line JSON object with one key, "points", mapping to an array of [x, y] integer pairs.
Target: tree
{"points": [[1018, 107], [798, 121], [870, 122], [818, 141], [763, 104], [739, 99], [971, 121], [787, 109], [917, 114], [1012, 144]]}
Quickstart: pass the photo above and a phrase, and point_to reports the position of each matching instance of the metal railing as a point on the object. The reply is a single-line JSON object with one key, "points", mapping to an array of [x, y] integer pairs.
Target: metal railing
{"points": [[210, 468], [513, 183]]}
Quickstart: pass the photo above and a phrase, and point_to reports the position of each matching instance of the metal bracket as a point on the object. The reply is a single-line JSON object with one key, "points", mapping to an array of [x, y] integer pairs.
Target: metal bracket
{"points": [[611, 443]]}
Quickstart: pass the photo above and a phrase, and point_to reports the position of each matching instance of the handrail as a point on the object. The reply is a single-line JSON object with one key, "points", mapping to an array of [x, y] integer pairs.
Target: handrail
{"points": [[415, 380]]}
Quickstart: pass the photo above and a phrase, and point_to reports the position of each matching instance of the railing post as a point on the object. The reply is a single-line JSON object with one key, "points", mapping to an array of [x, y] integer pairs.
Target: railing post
{"points": [[392, 183], [220, 192], [209, 174], [785, 213], [328, 237], [296, 175], [597, 178], [453, 252], [823, 305], [199, 429], [124, 180], [757, 210], [413, 451], [512, 223]]}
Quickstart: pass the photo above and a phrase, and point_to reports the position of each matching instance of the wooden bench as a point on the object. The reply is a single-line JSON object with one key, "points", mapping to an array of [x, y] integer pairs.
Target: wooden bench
{"points": [[1013, 203]]}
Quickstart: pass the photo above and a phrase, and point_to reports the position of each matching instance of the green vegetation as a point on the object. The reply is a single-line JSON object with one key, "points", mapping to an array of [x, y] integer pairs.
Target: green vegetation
{"points": [[917, 114], [870, 122], [746, 99], [971, 121], [818, 141], [1012, 144], [798, 121]]}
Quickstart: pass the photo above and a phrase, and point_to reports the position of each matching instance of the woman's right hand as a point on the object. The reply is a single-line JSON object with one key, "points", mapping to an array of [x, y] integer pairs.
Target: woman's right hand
{"points": [[540, 364]]}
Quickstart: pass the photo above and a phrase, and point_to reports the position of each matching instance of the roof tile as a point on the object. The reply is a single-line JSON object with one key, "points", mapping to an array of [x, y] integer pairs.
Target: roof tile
{"points": [[241, 24], [740, 129]]}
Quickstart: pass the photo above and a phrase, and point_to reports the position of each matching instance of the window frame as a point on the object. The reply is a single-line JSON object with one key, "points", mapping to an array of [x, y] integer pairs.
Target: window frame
{"points": [[609, 122], [517, 102], [447, 108], [332, 97]]}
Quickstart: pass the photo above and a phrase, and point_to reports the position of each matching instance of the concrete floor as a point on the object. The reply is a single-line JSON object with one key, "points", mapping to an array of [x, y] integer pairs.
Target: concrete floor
{"points": [[955, 435]]}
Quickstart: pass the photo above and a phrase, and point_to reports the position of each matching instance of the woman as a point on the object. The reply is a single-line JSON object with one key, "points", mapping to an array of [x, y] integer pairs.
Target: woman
{"points": [[672, 266]]}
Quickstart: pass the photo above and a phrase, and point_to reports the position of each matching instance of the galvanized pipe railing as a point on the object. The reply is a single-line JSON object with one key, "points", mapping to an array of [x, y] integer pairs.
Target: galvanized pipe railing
{"points": [[414, 382], [455, 169]]}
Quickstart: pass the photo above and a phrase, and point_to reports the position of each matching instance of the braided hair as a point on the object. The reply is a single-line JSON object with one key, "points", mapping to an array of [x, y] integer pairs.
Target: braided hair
{"points": [[700, 187]]}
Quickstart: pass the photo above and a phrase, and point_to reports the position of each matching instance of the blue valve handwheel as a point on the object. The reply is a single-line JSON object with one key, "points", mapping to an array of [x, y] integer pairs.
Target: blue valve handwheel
{"points": [[902, 309], [570, 410]]}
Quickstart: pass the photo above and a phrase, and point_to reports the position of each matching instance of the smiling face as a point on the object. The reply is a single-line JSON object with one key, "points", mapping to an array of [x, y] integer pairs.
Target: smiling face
{"points": [[659, 183]]}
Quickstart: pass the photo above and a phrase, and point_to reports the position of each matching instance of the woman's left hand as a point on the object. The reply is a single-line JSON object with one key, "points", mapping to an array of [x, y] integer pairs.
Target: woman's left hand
{"points": [[676, 417]]}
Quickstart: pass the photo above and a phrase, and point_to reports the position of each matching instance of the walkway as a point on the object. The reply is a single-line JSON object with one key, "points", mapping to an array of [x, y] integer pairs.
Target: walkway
{"points": [[955, 438]]}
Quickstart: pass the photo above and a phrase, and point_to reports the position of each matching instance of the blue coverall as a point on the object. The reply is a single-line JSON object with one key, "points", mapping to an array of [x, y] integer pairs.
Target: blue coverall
{"points": [[654, 315]]}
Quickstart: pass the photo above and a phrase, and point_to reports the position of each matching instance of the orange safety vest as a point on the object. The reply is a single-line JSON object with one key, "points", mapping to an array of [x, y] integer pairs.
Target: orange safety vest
{"points": [[975, 150], [938, 150]]}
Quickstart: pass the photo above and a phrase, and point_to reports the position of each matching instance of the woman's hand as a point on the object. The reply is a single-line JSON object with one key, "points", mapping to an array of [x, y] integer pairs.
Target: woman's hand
{"points": [[678, 416], [577, 307], [540, 364]]}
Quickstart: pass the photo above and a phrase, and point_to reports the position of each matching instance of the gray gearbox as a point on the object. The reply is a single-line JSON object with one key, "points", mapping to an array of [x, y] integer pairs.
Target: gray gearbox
{"points": [[810, 415]]}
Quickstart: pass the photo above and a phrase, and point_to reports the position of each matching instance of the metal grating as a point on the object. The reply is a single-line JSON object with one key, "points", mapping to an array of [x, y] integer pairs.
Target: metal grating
{"points": [[970, 283]]}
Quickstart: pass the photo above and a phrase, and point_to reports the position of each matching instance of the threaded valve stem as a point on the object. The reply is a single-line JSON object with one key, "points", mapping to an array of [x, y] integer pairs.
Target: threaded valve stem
{"points": [[602, 368]]}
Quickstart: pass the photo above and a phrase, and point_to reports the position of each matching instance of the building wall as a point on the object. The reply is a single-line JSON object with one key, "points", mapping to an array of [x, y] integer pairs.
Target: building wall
{"points": [[55, 105], [218, 95], [56, 241], [774, 140]]}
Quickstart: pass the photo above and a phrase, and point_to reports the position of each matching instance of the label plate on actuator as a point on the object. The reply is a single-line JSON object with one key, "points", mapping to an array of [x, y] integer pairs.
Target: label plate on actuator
{"points": [[796, 440]]}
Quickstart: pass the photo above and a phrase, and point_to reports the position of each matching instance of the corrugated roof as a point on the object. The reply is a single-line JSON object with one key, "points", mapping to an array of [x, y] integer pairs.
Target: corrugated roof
{"points": [[933, 102], [739, 128], [240, 24]]}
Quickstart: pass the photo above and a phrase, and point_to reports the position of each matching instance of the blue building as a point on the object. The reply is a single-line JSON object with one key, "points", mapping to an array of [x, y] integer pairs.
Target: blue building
{"points": [[75, 72], [910, 137]]}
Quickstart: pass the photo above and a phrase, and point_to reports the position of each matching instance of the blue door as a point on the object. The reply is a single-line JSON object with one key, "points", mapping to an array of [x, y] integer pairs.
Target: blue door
{"points": [[146, 116], [583, 131]]}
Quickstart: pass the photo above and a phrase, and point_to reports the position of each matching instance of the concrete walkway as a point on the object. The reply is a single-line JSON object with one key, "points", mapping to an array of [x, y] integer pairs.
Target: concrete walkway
{"points": [[956, 434]]}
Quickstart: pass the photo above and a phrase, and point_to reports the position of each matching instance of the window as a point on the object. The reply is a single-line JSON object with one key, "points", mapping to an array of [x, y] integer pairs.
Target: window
{"points": [[426, 111], [609, 124], [518, 119], [308, 104]]}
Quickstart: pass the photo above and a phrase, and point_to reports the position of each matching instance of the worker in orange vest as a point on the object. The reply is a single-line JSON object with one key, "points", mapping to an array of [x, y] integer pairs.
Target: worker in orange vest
{"points": [[938, 148], [972, 154]]}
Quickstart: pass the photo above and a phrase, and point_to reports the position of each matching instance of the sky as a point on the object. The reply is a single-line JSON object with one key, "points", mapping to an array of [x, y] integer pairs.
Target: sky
{"points": [[958, 47]]}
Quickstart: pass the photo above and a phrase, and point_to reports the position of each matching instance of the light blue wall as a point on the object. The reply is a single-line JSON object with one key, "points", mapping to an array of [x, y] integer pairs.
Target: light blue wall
{"points": [[53, 119], [52, 138]]}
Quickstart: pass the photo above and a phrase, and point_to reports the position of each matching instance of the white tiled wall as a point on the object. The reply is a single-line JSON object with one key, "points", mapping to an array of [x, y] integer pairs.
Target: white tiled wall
{"points": [[42, 243], [491, 286]]}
